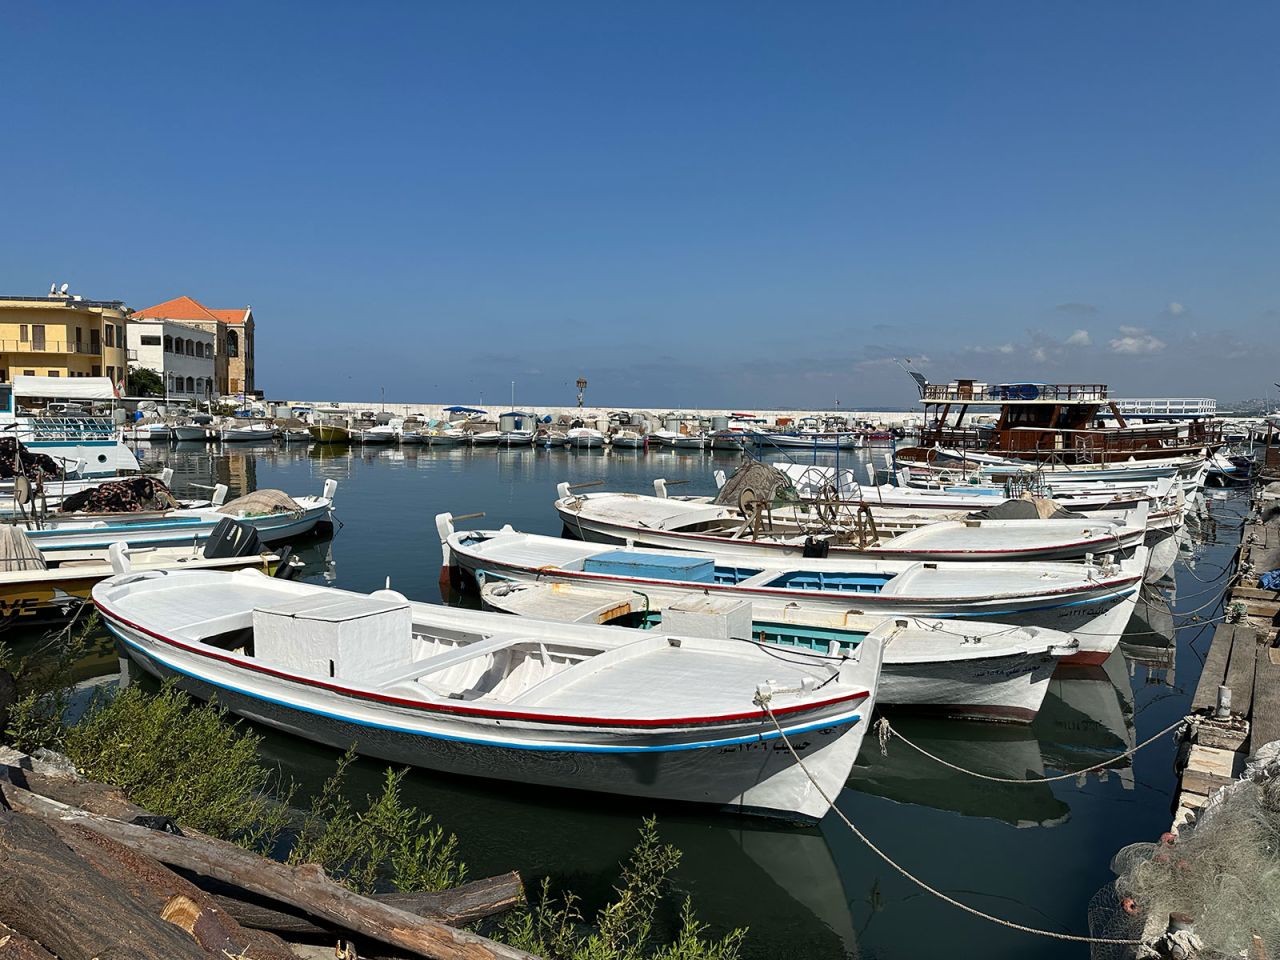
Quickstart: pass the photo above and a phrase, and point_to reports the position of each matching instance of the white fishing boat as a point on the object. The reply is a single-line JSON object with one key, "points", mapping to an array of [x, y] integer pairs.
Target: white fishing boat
{"points": [[808, 440], [684, 525], [628, 440], [153, 431], [247, 433], [37, 586], [585, 438], [80, 444], [482, 694], [485, 438], [664, 438], [274, 515], [517, 429], [1092, 600], [190, 432], [689, 441], [958, 668], [380, 434], [444, 438]]}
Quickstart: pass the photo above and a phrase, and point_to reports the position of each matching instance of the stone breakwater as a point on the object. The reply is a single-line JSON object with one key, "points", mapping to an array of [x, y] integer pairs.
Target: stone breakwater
{"points": [[880, 418]]}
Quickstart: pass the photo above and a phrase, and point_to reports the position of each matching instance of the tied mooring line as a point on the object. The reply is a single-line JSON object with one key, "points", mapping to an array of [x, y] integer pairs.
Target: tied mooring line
{"points": [[884, 731], [762, 701]]}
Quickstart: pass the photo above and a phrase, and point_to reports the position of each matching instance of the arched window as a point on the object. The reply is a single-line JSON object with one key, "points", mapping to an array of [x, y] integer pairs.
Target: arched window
{"points": [[191, 385], [199, 386], [200, 350], [168, 344], [190, 348], [233, 344]]}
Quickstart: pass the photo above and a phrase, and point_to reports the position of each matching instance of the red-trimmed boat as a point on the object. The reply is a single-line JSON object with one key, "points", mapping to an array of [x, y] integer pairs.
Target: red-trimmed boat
{"points": [[482, 694]]}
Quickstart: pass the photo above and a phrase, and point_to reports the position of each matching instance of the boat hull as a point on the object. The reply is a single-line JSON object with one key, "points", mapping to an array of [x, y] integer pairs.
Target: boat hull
{"points": [[755, 776], [328, 433], [169, 531]]}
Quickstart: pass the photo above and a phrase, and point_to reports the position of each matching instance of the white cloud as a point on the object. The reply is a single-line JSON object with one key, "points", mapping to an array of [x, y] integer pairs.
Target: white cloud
{"points": [[1176, 308], [1080, 338], [1135, 340], [1038, 355]]}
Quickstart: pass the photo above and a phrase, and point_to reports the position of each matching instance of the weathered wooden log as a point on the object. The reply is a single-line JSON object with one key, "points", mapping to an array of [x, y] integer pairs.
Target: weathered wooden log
{"points": [[14, 946], [175, 900], [456, 907], [306, 887], [54, 897]]}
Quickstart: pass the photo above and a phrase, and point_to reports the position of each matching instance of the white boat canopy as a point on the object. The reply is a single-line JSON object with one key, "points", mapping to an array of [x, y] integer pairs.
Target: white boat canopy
{"points": [[64, 388]]}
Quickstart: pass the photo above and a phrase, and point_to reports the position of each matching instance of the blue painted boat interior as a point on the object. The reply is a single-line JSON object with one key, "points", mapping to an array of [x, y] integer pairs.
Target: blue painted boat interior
{"points": [[831, 581]]}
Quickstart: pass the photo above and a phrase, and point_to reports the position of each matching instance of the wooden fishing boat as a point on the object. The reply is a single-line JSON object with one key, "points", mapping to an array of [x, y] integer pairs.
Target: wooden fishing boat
{"points": [[585, 438], [1092, 601], [37, 586], [628, 440], [685, 525], [958, 668], [272, 514], [482, 694], [329, 433]]}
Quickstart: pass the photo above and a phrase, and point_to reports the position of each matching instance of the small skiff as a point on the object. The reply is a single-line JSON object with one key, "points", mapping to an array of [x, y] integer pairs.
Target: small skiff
{"points": [[585, 438], [483, 694], [957, 668], [628, 440], [251, 433], [1092, 601]]}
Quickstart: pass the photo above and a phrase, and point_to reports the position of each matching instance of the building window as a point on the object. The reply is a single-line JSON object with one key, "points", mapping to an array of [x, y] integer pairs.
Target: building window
{"points": [[150, 341], [97, 370], [95, 340], [37, 336], [191, 385], [111, 335], [111, 374], [79, 338], [168, 344], [54, 373], [28, 373], [233, 344], [22, 333]]}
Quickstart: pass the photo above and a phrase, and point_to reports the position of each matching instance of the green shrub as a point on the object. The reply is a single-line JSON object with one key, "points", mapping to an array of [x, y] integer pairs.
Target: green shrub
{"points": [[181, 759], [555, 928], [44, 680], [385, 845]]}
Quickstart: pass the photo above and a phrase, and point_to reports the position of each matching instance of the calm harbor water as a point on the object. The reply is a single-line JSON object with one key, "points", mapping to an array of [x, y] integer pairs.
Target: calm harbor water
{"points": [[1032, 853]]}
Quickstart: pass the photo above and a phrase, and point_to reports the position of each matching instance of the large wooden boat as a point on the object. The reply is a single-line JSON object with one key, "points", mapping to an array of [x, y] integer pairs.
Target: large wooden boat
{"points": [[1060, 423]]}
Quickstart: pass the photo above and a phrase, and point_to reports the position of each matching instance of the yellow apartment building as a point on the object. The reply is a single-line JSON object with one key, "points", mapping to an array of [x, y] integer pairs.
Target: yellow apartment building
{"points": [[62, 336]]}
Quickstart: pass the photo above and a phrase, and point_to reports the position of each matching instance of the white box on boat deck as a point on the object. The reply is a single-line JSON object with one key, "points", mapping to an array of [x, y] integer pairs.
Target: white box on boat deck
{"points": [[346, 638], [717, 618]]}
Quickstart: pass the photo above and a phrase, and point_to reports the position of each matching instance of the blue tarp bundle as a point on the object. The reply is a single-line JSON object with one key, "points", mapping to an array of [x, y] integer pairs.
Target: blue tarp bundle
{"points": [[1270, 580]]}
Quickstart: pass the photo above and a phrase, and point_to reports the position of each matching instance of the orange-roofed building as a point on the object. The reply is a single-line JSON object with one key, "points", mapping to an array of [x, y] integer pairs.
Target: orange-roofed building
{"points": [[232, 329]]}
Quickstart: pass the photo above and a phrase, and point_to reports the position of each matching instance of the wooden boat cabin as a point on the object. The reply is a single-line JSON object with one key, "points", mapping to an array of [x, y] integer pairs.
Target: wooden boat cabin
{"points": [[1064, 422]]}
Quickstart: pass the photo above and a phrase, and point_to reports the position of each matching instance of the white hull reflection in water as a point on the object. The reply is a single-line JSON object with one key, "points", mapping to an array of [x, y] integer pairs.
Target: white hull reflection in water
{"points": [[1086, 719]]}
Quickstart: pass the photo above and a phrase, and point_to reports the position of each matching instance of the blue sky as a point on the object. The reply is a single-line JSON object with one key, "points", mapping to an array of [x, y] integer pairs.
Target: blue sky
{"points": [[740, 204]]}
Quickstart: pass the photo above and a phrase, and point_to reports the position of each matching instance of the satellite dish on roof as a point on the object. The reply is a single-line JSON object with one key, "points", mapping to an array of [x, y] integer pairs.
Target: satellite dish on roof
{"points": [[53, 288], [65, 286]]}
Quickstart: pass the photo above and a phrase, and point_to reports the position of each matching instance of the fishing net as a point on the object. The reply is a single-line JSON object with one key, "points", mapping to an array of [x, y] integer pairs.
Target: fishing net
{"points": [[17, 552], [134, 495], [12, 453], [756, 481], [1027, 508], [1223, 870], [261, 502]]}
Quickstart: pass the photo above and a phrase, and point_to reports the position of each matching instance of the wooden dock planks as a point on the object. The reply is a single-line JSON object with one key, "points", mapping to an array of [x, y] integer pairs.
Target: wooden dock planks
{"points": [[1215, 668], [1240, 668], [1266, 698]]}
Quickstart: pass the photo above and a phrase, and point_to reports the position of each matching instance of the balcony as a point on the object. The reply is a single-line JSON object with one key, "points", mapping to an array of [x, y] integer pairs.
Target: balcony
{"points": [[48, 346], [973, 391]]}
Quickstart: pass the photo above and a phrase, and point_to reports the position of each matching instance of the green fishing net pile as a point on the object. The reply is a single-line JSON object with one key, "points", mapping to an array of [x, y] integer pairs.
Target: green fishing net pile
{"points": [[1223, 871]]}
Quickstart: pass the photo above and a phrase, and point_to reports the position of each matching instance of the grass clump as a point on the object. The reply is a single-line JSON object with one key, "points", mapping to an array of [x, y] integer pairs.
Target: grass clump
{"points": [[182, 759], [43, 682], [385, 845], [624, 929]]}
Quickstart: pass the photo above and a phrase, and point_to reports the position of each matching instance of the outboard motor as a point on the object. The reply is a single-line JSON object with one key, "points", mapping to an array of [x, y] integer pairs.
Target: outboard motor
{"points": [[815, 549], [231, 538]]}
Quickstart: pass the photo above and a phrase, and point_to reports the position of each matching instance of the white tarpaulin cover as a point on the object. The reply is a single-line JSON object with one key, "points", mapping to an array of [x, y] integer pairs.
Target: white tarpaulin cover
{"points": [[64, 388]]}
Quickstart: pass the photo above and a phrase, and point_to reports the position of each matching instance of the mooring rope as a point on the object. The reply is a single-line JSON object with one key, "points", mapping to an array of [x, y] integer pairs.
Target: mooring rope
{"points": [[885, 730], [762, 701]]}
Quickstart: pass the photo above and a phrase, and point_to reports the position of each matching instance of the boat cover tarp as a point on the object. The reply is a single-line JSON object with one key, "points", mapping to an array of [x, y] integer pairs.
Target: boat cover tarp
{"points": [[1030, 508], [261, 502], [17, 552], [64, 388], [755, 481], [12, 453], [130, 495]]}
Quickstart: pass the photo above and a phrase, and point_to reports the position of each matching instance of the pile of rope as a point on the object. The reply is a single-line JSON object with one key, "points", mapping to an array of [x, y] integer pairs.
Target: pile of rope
{"points": [[132, 495], [1223, 870], [13, 453]]}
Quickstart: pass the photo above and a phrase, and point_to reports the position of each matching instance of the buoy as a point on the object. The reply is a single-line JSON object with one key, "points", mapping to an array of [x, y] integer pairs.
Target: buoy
{"points": [[1130, 906], [1168, 839]]}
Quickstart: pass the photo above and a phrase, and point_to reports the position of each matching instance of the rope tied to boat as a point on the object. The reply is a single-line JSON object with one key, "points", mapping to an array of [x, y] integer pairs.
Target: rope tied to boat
{"points": [[762, 700], [885, 732]]}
